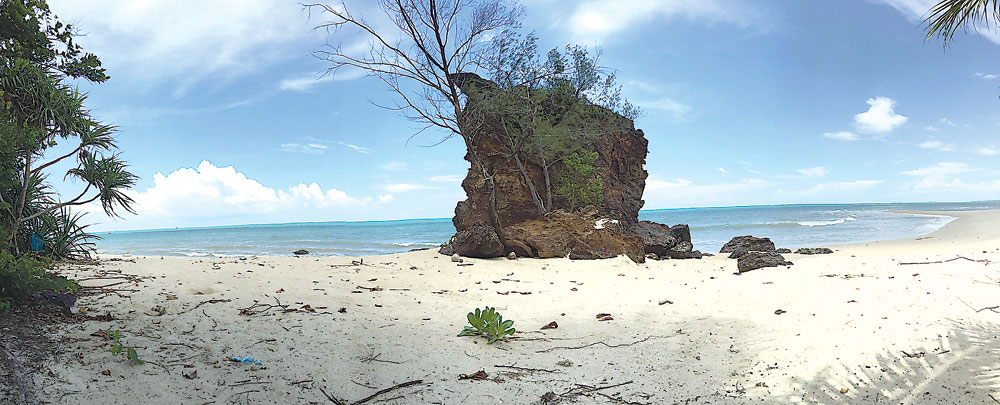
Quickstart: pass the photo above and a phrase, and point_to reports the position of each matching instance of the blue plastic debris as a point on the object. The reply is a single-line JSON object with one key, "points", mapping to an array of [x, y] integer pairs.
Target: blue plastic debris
{"points": [[246, 360], [37, 243]]}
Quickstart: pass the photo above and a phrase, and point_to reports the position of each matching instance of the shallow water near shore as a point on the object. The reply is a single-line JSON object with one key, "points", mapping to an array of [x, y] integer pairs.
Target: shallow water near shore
{"points": [[788, 226]]}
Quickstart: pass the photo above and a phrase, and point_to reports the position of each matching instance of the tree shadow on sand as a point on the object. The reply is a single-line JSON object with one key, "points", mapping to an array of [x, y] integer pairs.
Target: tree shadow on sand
{"points": [[962, 366]]}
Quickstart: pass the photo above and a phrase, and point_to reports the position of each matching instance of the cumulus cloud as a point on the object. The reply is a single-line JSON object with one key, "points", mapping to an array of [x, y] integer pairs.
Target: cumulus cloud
{"points": [[938, 145], [880, 118], [156, 40], [988, 76], [842, 136], [814, 172], [941, 175], [595, 20], [211, 195]]}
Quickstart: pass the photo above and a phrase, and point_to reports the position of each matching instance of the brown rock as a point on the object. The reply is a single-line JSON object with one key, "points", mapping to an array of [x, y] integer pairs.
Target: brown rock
{"points": [[478, 241], [757, 260], [748, 243]]}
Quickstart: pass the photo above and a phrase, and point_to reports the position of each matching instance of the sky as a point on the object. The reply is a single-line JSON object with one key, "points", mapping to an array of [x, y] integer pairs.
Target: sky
{"points": [[227, 118]]}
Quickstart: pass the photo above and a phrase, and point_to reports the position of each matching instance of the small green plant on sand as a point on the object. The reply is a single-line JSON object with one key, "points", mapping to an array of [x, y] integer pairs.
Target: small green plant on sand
{"points": [[117, 348], [488, 323]]}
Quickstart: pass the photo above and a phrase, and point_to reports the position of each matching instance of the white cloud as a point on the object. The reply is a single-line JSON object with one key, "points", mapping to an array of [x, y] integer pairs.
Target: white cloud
{"points": [[211, 195], [666, 104], [917, 10], [359, 149], [814, 172], [932, 128], [592, 21], [941, 175], [404, 187], [842, 136], [685, 193], [447, 179], [155, 40], [656, 184], [384, 198], [306, 81], [313, 148], [988, 76], [987, 151], [722, 169], [938, 145], [948, 122], [394, 166], [880, 117], [843, 186]]}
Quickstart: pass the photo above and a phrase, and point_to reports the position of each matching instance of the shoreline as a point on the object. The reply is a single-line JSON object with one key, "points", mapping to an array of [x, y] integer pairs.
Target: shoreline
{"points": [[852, 326], [812, 232]]}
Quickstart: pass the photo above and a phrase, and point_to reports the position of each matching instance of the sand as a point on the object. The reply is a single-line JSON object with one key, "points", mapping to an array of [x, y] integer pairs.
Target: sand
{"points": [[859, 326]]}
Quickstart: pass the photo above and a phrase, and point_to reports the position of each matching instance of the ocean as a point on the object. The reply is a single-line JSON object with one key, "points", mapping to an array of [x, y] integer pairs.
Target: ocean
{"points": [[789, 226]]}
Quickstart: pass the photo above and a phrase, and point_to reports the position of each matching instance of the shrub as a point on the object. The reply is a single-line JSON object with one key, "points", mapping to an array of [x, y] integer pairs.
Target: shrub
{"points": [[22, 275], [578, 181], [488, 323]]}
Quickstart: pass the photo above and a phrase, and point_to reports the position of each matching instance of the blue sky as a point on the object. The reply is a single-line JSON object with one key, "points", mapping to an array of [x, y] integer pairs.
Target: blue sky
{"points": [[224, 115]]}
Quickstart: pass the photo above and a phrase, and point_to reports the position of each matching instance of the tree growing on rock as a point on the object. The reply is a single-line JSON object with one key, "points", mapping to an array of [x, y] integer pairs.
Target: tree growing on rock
{"points": [[420, 57], [545, 109]]}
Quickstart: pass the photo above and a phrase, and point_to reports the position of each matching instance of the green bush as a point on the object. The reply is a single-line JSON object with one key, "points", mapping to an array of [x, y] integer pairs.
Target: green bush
{"points": [[578, 181], [22, 275], [489, 324]]}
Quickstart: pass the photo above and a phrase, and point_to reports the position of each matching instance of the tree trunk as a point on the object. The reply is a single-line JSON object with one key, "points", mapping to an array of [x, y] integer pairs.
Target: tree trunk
{"points": [[531, 186], [548, 186]]}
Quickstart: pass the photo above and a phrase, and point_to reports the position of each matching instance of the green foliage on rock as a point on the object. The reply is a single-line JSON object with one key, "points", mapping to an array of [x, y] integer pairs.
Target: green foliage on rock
{"points": [[578, 181], [547, 110], [488, 323]]}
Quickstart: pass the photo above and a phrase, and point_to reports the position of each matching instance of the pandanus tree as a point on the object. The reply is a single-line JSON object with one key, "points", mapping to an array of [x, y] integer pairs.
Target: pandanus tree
{"points": [[40, 110]]}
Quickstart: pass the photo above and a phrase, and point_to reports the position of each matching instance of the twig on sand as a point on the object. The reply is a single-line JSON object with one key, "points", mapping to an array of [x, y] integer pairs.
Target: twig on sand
{"points": [[257, 308], [994, 399], [587, 390], [215, 324], [374, 357], [394, 387], [992, 309], [330, 397], [525, 368], [984, 261], [215, 301], [599, 343]]}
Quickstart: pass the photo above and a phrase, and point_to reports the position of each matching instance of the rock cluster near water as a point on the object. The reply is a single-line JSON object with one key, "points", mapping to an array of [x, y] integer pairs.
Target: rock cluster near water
{"points": [[753, 253]]}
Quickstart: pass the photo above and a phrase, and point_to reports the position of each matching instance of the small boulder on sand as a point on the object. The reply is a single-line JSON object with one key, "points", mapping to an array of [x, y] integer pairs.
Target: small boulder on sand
{"points": [[300, 252], [456, 258]]}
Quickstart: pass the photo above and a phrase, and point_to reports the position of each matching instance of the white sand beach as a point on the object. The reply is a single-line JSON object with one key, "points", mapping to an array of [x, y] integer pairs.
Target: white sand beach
{"points": [[856, 326]]}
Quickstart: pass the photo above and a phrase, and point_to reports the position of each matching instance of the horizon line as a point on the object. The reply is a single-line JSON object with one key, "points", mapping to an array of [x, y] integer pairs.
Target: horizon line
{"points": [[192, 228]]}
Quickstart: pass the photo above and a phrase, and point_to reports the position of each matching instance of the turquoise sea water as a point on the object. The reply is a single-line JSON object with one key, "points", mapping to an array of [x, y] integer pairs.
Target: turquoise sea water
{"points": [[788, 226]]}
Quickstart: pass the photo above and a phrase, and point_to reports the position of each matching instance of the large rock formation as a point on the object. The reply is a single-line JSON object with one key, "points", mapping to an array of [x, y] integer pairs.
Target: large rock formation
{"points": [[608, 228]]}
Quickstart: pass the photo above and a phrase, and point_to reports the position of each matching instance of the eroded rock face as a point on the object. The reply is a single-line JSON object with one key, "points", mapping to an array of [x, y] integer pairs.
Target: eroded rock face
{"points": [[749, 244], [757, 260], [577, 235], [478, 240], [530, 232]]}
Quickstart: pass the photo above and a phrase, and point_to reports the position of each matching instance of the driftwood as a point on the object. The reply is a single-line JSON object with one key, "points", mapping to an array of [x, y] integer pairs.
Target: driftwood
{"points": [[984, 261]]}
